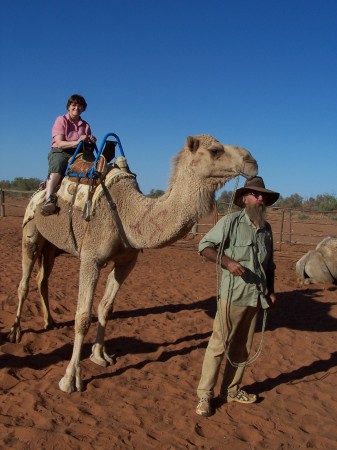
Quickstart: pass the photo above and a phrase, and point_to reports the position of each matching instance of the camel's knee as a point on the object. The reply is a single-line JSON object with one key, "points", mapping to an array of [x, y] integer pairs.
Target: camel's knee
{"points": [[23, 289], [42, 282], [300, 281], [82, 323], [105, 309], [30, 249]]}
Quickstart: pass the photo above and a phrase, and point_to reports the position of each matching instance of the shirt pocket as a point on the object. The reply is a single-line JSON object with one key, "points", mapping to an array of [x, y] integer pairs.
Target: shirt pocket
{"points": [[243, 250]]}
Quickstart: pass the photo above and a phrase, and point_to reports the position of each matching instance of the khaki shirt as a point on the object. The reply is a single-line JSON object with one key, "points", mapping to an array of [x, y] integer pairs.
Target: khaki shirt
{"points": [[251, 247]]}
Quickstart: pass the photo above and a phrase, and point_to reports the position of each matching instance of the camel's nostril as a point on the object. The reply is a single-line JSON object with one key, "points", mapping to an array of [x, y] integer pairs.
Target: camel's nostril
{"points": [[249, 167], [249, 159]]}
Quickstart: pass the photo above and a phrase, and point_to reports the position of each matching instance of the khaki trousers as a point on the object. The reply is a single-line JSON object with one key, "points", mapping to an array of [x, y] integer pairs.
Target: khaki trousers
{"points": [[234, 327]]}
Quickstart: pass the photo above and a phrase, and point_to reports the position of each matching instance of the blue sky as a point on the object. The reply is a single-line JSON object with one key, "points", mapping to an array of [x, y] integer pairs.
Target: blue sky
{"points": [[257, 73]]}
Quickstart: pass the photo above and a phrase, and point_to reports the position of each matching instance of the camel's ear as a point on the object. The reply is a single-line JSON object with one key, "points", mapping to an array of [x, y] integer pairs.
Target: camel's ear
{"points": [[192, 143]]}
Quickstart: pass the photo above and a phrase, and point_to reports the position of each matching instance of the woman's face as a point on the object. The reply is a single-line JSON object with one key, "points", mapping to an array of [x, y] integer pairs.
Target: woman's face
{"points": [[75, 110]]}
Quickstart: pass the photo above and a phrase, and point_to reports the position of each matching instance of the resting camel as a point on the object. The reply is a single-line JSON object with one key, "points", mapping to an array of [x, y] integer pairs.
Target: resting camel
{"points": [[200, 168], [319, 265]]}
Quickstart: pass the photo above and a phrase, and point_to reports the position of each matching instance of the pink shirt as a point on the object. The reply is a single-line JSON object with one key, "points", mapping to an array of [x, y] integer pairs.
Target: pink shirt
{"points": [[71, 130]]}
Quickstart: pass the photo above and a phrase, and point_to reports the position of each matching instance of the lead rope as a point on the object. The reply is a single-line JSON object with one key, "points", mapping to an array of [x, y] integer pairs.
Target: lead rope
{"points": [[230, 291], [114, 212], [70, 215]]}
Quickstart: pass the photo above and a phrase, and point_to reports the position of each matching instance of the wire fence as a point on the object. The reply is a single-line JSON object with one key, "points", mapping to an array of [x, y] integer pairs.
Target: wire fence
{"points": [[13, 202], [291, 227]]}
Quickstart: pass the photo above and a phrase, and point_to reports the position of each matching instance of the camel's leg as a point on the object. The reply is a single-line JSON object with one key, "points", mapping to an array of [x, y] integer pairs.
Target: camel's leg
{"points": [[317, 270], [115, 280], [32, 245], [46, 264], [89, 272], [311, 268]]}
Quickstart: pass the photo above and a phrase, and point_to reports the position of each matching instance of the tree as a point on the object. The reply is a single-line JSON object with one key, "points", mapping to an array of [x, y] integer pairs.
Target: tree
{"points": [[326, 202], [293, 201], [224, 201], [5, 184], [155, 193], [225, 197], [310, 204], [21, 184]]}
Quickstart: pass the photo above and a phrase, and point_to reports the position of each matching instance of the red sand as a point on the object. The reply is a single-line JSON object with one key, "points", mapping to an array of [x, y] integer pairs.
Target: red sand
{"points": [[158, 333]]}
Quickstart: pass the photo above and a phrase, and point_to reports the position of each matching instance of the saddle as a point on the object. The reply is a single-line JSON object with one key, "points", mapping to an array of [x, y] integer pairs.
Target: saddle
{"points": [[80, 169], [85, 170]]}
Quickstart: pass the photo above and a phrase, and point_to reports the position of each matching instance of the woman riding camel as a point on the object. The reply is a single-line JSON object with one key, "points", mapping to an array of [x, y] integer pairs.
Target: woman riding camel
{"points": [[67, 132]]}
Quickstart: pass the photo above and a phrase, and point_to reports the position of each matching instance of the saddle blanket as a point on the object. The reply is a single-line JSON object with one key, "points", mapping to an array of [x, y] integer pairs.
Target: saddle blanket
{"points": [[67, 190]]}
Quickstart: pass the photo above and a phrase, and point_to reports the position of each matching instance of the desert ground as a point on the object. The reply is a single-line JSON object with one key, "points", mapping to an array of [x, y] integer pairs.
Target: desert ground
{"points": [[158, 333]]}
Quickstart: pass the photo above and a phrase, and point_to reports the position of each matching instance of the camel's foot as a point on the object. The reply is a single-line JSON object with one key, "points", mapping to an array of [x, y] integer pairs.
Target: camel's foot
{"points": [[15, 334], [99, 356], [68, 385]]}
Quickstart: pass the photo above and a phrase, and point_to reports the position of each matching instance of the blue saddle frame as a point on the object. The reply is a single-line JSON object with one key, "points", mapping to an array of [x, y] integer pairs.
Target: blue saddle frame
{"points": [[97, 154]]}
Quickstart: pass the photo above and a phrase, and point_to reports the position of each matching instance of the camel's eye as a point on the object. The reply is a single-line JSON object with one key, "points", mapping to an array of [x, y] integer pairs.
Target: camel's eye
{"points": [[216, 151]]}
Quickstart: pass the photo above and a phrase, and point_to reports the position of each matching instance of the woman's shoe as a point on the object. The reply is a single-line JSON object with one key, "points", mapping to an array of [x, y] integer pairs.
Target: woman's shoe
{"points": [[49, 206]]}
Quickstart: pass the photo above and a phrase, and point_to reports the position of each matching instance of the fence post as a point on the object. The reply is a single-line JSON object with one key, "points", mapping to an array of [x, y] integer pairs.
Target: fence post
{"points": [[281, 231], [2, 203], [290, 230]]}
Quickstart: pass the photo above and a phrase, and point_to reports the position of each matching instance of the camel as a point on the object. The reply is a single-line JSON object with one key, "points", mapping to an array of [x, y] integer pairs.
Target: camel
{"points": [[319, 265], [201, 167]]}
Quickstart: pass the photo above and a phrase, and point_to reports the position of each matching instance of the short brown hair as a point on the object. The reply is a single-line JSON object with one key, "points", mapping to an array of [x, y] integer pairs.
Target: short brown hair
{"points": [[76, 98]]}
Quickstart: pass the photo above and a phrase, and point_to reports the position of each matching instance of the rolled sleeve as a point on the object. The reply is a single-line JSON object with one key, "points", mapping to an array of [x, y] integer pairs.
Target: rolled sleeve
{"points": [[58, 127], [214, 237]]}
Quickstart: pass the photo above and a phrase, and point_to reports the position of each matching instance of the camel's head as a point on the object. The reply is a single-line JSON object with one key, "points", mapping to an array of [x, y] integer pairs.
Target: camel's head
{"points": [[217, 162]]}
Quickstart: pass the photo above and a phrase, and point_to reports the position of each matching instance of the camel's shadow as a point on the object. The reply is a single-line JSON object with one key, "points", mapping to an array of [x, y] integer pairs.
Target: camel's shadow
{"points": [[294, 310], [130, 345], [119, 346], [301, 310], [297, 310]]}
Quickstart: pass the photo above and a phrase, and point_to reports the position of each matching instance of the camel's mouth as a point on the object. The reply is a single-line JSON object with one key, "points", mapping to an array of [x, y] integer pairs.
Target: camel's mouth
{"points": [[249, 167], [246, 170], [248, 177]]}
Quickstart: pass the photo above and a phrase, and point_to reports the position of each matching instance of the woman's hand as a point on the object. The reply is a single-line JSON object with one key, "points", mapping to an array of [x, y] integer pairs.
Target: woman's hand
{"points": [[85, 138], [82, 138]]}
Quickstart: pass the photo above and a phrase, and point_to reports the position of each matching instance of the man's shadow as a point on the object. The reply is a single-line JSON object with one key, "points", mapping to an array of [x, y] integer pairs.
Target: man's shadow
{"points": [[299, 310], [296, 375]]}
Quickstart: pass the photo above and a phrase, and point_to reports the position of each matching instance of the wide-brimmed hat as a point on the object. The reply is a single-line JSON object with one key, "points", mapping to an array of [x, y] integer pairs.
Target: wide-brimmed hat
{"points": [[255, 184]]}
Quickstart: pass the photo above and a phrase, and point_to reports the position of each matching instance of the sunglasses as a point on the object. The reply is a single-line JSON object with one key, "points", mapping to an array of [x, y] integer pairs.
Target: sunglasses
{"points": [[256, 194]]}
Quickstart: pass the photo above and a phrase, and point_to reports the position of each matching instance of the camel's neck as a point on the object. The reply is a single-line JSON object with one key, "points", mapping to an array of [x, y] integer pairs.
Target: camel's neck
{"points": [[151, 223]]}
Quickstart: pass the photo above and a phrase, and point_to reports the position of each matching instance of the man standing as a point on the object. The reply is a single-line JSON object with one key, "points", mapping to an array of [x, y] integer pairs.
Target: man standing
{"points": [[242, 244]]}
